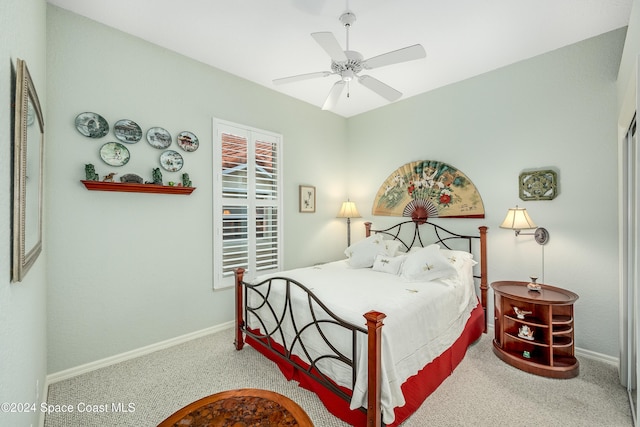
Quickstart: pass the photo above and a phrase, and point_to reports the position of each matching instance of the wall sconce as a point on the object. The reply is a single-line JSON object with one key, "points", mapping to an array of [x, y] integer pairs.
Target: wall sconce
{"points": [[518, 219], [348, 210]]}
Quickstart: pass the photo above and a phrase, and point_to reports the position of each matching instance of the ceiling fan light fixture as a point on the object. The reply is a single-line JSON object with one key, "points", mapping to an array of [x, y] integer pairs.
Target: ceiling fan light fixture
{"points": [[348, 75]]}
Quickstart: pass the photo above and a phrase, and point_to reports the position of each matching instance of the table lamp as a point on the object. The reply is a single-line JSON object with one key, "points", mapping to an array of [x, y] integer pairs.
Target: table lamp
{"points": [[348, 210]]}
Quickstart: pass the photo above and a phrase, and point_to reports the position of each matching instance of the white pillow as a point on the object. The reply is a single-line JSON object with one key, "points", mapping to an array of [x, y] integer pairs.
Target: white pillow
{"points": [[394, 247], [363, 253], [388, 264], [457, 258], [426, 264]]}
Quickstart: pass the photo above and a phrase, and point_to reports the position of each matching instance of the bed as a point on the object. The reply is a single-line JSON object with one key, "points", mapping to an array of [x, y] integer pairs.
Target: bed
{"points": [[419, 319]]}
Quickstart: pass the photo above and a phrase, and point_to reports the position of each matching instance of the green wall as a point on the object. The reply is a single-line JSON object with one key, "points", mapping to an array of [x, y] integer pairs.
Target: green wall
{"points": [[23, 350]]}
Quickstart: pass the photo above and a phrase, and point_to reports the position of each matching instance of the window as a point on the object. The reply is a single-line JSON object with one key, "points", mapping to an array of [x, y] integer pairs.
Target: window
{"points": [[247, 202]]}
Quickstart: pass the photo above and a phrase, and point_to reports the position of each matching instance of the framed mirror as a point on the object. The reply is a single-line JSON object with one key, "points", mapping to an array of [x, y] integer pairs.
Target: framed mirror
{"points": [[28, 157]]}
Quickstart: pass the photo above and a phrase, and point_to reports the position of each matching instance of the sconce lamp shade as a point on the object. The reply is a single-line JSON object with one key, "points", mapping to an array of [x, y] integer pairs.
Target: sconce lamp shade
{"points": [[348, 210], [518, 219]]}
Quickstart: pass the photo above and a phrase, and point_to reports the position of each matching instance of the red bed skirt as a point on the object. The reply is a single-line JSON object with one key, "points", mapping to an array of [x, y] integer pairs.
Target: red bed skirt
{"points": [[415, 390]]}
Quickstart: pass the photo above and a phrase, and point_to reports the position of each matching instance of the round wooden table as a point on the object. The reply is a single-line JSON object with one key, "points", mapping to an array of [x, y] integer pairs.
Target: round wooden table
{"points": [[238, 408]]}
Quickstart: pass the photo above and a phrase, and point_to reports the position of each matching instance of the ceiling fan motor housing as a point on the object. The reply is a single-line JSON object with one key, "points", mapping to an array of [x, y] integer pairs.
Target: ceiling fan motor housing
{"points": [[347, 18], [347, 69]]}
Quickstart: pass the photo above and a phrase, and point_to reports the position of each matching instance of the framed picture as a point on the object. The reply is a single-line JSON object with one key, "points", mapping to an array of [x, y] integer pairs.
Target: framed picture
{"points": [[307, 198], [538, 185], [28, 146]]}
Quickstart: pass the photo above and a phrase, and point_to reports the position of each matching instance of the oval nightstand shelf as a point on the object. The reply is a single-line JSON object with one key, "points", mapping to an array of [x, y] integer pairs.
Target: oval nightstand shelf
{"points": [[559, 319], [534, 342], [564, 361], [562, 329], [562, 341], [551, 321], [531, 321]]}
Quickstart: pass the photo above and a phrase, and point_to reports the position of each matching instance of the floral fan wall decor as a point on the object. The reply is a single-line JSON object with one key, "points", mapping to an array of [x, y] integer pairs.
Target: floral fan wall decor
{"points": [[426, 189]]}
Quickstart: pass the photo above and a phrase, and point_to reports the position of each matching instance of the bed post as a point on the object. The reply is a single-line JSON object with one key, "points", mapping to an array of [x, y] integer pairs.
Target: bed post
{"points": [[239, 341], [367, 227], [374, 358], [483, 272]]}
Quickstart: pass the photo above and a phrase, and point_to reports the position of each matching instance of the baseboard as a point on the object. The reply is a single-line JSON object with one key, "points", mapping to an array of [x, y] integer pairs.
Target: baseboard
{"points": [[598, 356], [98, 364]]}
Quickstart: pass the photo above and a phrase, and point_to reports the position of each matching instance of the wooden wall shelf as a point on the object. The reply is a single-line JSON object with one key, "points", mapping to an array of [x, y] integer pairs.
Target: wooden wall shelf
{"points": [[128, 187]]}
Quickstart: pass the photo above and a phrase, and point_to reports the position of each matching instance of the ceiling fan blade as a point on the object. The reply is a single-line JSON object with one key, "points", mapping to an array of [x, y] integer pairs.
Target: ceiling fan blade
{"points": [[330, 44], [335, 93], [301, 77], [385, 91], [394, 57]]}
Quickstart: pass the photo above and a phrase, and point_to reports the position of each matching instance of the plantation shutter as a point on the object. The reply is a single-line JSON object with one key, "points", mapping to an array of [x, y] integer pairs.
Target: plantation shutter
{"points": [[247, 202], [266, 167]]}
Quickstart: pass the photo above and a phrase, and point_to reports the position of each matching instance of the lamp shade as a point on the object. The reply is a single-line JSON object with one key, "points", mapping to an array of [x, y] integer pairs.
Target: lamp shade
{"points": [[518, 219], [348, 210]]}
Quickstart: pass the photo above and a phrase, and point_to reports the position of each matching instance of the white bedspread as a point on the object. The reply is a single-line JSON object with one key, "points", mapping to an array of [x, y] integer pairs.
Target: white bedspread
{"points": [[423, 320]]}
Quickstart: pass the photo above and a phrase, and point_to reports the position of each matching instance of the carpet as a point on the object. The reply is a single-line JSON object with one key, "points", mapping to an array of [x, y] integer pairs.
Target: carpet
{"points": [[482, 391]]}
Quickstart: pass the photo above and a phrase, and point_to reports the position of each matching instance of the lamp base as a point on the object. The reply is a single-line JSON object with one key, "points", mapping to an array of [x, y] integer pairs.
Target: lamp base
{"points": [[541, 235]]}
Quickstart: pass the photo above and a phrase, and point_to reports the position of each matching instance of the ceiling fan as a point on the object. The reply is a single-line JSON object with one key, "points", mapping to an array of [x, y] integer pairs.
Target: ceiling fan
{"points": [[348, 64]]}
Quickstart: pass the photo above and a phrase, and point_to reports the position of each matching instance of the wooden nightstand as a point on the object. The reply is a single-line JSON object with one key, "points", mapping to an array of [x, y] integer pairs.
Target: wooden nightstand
{"points": [[540, 341]]}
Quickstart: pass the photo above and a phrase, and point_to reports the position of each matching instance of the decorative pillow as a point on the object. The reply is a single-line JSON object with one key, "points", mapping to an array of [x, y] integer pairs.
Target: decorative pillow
{"points": [[426, 264], [457, 258], [394, 247], [388, 264], [363, 253]]}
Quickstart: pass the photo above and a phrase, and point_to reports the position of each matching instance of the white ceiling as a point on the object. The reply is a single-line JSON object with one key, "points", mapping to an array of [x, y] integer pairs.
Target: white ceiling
{"points": [[261, 40]]}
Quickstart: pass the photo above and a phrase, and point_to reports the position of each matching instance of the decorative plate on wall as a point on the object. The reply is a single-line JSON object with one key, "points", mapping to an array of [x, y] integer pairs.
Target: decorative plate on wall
{"points": [[538, 185], [159, 137], [92, 125], [114, 154], [171, 161], [127, 131], [188, 141]]}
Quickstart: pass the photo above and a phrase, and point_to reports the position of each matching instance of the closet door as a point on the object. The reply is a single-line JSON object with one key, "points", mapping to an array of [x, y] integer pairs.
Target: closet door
{"points": [[632, 259], [630, 237]]}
